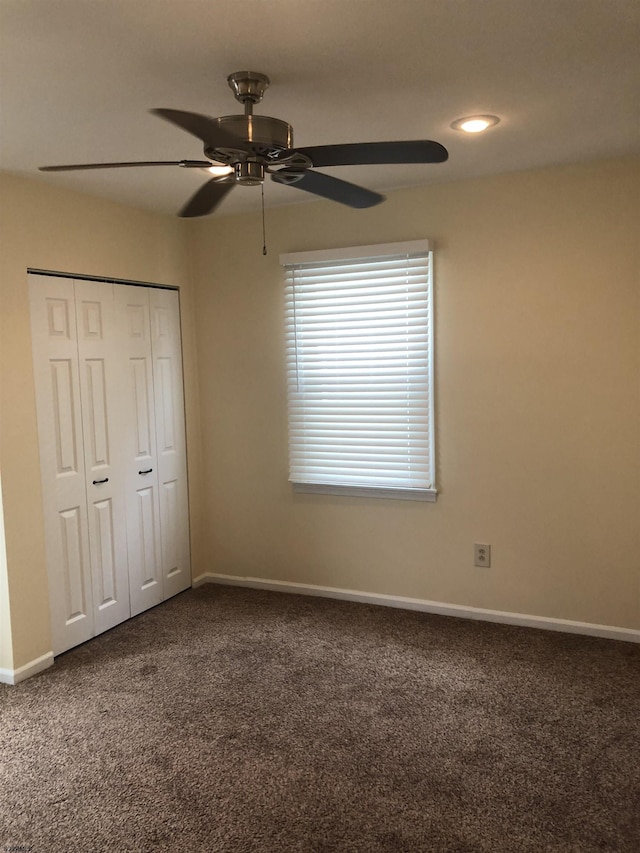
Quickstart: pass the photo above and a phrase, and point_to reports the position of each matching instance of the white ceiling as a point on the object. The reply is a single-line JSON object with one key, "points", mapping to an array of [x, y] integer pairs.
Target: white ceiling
{"points": [[77, 78]]}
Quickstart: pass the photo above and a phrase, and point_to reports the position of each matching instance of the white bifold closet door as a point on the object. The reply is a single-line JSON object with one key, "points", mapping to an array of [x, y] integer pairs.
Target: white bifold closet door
{"points": [[156, 476], [108, 375], [103, 423]]}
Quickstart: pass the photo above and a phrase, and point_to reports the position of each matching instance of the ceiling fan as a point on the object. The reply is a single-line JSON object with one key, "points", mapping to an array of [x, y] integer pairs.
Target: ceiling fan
{"points": [[246, 147]]}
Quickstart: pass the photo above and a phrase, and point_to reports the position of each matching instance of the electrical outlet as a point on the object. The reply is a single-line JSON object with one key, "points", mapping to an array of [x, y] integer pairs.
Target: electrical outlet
{"points": [[482, 555]]}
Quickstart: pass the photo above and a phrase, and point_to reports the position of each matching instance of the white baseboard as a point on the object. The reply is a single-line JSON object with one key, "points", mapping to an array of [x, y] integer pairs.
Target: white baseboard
{"points": [[629, 635], [15, 676]]}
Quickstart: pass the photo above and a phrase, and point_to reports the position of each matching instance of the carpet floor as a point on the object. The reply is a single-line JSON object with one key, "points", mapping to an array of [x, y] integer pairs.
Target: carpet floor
{"points": [[245, 721]]}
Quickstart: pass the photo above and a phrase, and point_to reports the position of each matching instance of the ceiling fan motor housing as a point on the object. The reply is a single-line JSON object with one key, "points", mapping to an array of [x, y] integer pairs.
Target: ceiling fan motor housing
{"points": [[263, 132], [267, 136]]}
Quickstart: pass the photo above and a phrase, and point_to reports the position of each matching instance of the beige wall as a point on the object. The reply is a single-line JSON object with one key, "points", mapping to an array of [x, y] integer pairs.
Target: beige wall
{"points": [[538, 393], [538, 399], [46, 228]]}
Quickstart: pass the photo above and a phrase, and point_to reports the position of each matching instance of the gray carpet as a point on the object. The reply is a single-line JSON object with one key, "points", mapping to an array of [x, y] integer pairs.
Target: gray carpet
{"points": [[237, 720]]}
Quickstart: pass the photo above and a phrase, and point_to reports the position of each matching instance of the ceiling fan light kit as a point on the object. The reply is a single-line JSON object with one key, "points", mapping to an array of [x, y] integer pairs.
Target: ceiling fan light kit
{"points": [[218, 170], [252, 146]]}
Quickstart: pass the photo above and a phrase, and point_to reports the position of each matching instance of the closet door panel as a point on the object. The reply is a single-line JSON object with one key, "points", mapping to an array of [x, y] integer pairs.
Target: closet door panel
{"points": [[104, 427], [141, 479], [171, 446], [57, 384], [64, 396], [74, 553], [147, 535]]}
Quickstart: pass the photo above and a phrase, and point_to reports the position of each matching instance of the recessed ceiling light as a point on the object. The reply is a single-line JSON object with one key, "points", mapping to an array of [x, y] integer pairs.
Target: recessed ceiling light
{"points": [[474, 124], [220, 171]]}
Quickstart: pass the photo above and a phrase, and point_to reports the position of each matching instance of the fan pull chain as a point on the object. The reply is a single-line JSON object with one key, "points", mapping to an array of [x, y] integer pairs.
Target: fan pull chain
{"points": [[264, 237]]}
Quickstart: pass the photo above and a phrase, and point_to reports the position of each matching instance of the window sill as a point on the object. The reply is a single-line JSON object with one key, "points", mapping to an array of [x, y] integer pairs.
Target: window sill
{"points": [[429, 495]]}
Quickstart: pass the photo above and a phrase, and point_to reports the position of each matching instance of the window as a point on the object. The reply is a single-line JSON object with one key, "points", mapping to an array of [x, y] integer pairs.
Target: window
{"points": [[360, 370]]}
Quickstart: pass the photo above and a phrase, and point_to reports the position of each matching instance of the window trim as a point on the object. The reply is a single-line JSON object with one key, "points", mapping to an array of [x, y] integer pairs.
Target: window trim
{"points": [[429, 495], [377, 250]]}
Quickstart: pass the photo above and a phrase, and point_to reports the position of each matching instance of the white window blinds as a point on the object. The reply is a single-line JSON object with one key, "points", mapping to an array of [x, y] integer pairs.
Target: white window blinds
{"points": [[359, 358]]}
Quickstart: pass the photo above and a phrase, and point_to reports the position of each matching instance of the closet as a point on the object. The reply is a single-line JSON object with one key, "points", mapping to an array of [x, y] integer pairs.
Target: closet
{"points": [[109, 394]]}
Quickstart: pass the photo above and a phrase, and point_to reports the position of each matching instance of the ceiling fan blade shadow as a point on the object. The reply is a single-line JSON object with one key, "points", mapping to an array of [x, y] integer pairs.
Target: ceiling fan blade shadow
{"points": [[376, 153], [207, 198], [204, 128], [329, 187]]}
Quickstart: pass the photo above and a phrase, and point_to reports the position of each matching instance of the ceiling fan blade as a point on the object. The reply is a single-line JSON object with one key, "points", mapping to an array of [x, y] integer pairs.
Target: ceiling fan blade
{"points": [[329, 187], [376, 153], [185, 164], [205, 128], [207, 198]]}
